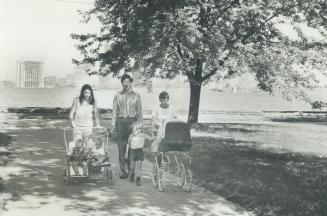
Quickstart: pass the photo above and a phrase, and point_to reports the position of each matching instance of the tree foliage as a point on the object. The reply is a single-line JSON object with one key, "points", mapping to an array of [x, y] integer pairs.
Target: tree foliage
{"points": [[209, 40]]}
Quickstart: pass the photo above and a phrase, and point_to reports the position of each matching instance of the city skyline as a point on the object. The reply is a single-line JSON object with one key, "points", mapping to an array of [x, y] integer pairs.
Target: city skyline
{"points": [[40, 29]]}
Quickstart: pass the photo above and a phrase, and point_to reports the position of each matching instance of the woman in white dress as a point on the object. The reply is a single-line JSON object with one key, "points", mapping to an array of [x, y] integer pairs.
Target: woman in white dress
{"points": [[82, 113]]}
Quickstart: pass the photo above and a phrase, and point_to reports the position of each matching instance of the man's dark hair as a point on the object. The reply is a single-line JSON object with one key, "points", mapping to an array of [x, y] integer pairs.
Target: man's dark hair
{"points": [[126, 76], [163, 95]]}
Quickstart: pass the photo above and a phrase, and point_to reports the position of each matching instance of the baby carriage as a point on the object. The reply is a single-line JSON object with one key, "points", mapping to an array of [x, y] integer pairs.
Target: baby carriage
{"points": [[176, 142], [98, 163]]}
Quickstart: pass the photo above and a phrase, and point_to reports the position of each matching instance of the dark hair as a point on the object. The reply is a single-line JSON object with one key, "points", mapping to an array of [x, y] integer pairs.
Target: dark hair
{"points": [[126, 76], [81, 96], [163, 95]]}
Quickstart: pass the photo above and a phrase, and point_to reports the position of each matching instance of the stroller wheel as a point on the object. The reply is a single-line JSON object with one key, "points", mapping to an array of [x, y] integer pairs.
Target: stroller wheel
{"points": [[161, 180], [188, 180], [181, 175], [155, 175], [108, 174], [67, 176], [111, 176]]}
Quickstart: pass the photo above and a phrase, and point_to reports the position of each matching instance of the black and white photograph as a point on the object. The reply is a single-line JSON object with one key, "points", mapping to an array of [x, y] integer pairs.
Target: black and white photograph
{"points": [[163, 107]]}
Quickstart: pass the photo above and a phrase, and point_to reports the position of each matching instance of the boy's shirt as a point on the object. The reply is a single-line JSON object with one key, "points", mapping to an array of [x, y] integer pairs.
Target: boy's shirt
{"points": [[77, 151], [73, 150], [137, 141]]}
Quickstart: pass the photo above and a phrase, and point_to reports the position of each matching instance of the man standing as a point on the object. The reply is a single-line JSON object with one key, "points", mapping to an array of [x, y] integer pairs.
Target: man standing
{"points": [[126, 110]]}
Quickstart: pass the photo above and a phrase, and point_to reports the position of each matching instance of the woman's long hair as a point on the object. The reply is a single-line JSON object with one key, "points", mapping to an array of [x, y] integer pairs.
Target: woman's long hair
{"points": [[81, 96]]}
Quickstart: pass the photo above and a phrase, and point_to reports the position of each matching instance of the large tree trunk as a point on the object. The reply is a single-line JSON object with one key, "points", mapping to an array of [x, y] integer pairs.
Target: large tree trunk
{"points": [[195, 92]]}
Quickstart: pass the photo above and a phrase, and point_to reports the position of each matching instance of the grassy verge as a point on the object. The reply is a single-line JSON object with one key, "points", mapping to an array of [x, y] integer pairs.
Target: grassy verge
{"points": [[266, 182]]}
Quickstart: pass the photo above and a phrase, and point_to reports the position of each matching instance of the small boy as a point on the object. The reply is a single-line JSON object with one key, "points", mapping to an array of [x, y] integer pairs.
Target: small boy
{"points": [[135, 149], [98, 151], [77, 154]]}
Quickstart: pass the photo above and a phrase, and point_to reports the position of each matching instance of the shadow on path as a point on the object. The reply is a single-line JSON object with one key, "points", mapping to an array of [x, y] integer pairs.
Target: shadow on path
{"points": [[38, 187]]}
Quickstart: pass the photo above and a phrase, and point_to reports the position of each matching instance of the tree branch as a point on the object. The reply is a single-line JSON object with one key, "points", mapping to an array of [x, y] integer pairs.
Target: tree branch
{"points": [[211, 73], [278, 12], [179, 51], [198, 69], [221, 13], [255, 29], [227, 8]]}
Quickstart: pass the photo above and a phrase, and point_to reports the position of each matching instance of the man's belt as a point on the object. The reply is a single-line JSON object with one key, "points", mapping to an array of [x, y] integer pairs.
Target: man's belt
{"points": [[121, 117]]}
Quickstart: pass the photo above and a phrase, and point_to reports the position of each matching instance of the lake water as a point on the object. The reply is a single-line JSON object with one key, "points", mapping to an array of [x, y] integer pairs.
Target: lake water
{"points": [[243, 110], [214, 106], [210, 100]]}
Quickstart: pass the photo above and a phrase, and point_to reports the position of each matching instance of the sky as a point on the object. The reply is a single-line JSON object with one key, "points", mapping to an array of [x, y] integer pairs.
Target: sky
{"points": [[40, 30]]}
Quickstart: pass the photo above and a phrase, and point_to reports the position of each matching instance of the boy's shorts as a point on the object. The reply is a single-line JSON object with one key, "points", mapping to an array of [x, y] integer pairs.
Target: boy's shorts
{"points": [[136, 154]]}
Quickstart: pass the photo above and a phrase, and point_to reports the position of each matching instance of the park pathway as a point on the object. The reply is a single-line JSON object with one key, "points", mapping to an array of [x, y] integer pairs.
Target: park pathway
{"points": [[38, 189]]}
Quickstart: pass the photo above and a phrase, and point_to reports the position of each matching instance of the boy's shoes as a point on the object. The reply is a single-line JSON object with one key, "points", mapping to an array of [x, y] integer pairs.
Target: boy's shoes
{"points": [[138, 181], [123, 176], [131, 178]]}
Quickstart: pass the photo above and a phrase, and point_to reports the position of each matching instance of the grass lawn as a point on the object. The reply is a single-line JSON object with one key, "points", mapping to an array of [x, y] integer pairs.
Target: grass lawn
{"points": [[264, 181]]}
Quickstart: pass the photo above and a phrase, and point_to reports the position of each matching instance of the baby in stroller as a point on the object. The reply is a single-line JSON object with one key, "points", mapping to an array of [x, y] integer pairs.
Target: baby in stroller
{"points": [[97, 152], [78, 156]]}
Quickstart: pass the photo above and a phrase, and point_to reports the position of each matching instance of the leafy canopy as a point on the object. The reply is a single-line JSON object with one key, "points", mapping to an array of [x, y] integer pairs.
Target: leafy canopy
{"points": [[209, 40]]}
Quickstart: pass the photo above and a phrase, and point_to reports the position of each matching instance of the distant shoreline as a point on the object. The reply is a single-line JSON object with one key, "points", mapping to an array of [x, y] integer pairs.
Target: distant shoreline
{"points": [[43, 109], [220, 117]]}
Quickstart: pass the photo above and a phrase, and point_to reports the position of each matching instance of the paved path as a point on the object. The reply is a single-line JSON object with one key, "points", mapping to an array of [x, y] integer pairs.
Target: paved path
{"points": [[38, 187]]}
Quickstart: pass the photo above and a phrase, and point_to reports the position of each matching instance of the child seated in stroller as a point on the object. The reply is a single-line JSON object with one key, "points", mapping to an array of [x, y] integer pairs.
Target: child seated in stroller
{"points": [[97, 152], [78, 156]]}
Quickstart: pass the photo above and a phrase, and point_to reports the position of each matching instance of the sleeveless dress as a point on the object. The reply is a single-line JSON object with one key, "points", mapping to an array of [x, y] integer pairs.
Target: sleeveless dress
{"points": [[83, 120]]}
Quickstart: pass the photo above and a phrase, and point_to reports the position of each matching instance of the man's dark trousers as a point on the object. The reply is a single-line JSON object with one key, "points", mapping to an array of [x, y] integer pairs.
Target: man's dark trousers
{"points": [[124, 129]]}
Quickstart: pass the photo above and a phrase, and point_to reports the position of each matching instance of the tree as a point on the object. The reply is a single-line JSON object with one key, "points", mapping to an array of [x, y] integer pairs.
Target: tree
{"points": [[207, 40]]}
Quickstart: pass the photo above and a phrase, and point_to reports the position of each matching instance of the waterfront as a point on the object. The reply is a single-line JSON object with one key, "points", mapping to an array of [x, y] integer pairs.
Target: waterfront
{"points": [[179, 97]]}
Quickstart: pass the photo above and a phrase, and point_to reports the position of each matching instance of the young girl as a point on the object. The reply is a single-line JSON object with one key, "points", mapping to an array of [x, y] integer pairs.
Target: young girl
{"points": [[135, 151]]}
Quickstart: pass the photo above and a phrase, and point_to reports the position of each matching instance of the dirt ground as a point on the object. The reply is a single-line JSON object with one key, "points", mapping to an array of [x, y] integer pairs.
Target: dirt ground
{"points": [[37, 186]]}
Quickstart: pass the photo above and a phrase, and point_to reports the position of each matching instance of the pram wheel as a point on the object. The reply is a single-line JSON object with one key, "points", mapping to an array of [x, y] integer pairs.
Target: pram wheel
{"points": [[181, 175], [108, 173], [67, 176], [161, 180], [188, 180], [155, 175]]}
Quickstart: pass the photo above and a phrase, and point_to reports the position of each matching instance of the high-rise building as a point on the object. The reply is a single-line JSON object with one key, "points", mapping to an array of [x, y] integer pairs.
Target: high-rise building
{"points": [[30, 74]]}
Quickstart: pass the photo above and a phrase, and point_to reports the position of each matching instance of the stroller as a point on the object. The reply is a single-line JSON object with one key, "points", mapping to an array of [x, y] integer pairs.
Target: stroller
{"points": [[98, 166], [177, 142]]}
